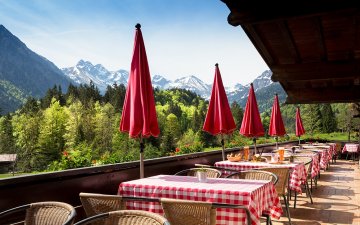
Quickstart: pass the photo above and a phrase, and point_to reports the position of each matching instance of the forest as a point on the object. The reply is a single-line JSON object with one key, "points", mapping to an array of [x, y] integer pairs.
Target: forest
{"points": [[80, 128]]}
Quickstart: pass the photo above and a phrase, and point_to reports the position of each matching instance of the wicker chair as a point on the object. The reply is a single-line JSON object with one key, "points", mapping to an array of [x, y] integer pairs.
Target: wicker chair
{"points": [[184, 212], [123, 217], [45, 213], [210, 172], [307, 162], [337, 152], [187, 212], [254, 175], [281, 188], [94, 204]]}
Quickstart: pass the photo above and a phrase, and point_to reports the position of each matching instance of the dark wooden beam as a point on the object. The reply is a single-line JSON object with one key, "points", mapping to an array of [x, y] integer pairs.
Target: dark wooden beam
{"points": [[257, 40], [289, 40], [316, 71], [323, 95], [249, 12]]}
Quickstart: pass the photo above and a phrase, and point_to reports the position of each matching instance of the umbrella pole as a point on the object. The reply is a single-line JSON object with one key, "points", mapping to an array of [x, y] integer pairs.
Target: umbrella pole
{"points": [[276, 139], [223, 147], [299, 140], [254, 140], [142, 146]]}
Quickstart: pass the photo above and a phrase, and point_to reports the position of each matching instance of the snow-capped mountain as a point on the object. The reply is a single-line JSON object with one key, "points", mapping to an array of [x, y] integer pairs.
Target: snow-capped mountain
{"points": [[84, 72], [194, 84], [262, 81], [160, 82]]}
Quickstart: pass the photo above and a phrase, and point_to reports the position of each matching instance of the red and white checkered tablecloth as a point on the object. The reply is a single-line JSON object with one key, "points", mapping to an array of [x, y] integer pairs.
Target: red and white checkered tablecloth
{"points": [[327, 150], [350, 148], [297, 173], [257, 195], [315, 165], [325, 154]]}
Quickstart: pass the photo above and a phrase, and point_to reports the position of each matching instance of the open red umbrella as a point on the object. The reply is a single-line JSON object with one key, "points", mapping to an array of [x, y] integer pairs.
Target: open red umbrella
{"points": [[299, 128], [276, 127], [251, 125], [139, 114], [219, 119]]}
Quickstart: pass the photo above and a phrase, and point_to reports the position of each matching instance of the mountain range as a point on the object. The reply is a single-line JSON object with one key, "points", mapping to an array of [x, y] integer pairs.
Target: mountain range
{"points": [[85, 71], [24, 73]]}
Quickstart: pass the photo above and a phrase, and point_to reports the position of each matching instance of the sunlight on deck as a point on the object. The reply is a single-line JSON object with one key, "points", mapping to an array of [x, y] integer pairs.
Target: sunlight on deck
{"points": [[336, 199]]}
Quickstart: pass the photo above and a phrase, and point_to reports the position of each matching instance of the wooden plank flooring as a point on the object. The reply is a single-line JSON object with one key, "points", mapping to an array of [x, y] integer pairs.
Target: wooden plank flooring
{"points": [[336, 199]]}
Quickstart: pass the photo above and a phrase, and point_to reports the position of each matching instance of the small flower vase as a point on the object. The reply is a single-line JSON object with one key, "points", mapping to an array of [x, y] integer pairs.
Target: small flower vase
{"points": [[201, 175]]}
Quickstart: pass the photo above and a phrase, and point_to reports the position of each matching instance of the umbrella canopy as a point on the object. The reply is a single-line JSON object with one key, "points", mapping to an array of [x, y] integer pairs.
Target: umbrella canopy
{"points": [[139, 114], [276, 127], [219, 119], [299, 128], [251, 125]]}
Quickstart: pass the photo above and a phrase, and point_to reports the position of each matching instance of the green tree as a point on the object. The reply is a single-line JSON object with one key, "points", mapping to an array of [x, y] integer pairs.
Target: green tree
{"points": [[74, 133], [328, 119], [7, 142], [26, 133], [237, 113], [104, 120], [312, 118], [31, 106], [171, 134], [52, 131]]}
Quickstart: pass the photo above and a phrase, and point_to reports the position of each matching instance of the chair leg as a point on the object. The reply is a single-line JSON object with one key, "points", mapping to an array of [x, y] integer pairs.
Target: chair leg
{"points": [[295, 199], [311, 184], [268, 220], [308, 192], [287, 209]]}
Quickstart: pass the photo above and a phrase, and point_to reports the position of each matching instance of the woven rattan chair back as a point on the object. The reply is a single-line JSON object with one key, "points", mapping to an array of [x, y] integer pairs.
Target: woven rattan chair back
{"points": [[210, 172], [49, 213], [94, 203], [45, 213], [307, 162], [185, 212], [254, 175], [283, 178], [126, 217]]}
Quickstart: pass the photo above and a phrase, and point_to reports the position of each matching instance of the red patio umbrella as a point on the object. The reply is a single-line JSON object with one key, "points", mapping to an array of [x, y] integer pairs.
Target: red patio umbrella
{"points": [[276, 127], [219, 119], [299, 128], [139, 114], [251, 125]]}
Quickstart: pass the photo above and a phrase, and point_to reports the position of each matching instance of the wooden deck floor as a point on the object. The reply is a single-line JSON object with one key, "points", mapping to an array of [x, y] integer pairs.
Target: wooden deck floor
{"points": [[336, 199]]}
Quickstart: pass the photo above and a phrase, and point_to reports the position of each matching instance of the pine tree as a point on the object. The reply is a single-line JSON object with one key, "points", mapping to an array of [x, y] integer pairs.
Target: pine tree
{"points": [[312, 118], [237, 113], [7, 142], [328, 119]]}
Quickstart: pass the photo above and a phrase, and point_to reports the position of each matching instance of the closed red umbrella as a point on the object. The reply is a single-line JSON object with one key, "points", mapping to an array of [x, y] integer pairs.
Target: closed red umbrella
{"points": [[276, 127], [139, 115], [251, 125], [219, 119], [299, 128]]}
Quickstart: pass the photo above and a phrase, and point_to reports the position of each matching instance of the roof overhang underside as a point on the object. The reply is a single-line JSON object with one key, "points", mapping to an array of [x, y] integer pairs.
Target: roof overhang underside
{"points": [[312, 47]]}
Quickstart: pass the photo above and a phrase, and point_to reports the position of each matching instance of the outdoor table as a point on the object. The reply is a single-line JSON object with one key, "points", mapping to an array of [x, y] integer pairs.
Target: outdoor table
{"points": [[325, 155], [297, 174], [256, 195], [315, 165], [352, 148]]}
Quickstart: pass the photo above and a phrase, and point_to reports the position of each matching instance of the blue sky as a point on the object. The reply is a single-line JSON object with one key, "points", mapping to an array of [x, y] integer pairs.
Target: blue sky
{"points": [[182, 37]]}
